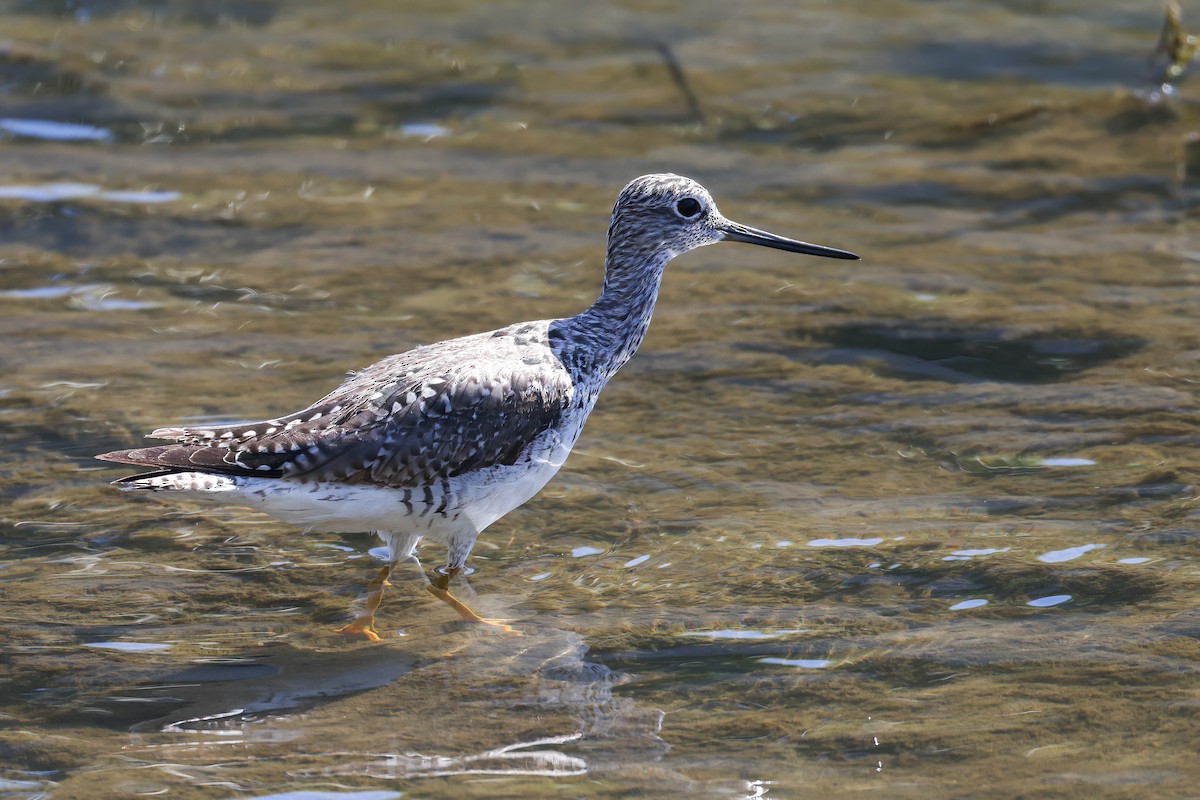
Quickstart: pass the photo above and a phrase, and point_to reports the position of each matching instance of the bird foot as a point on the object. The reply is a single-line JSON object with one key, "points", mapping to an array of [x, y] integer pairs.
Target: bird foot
{"points": [[464, 611], [502, 626], [364, 626]]}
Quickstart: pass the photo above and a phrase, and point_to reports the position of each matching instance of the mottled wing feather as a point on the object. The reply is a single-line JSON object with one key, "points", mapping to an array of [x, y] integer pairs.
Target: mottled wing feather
{"points": [[452, 427], [176, 457], [406, 421]]}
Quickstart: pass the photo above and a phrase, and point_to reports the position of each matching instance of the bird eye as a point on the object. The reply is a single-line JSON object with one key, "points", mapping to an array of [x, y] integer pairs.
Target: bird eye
{"points": [[688, 207]]}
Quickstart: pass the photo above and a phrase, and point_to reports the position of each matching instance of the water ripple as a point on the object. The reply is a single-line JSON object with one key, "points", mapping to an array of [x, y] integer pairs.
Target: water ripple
{"points": [[968, 604], [802, 663], [52, 131], [60, 192], [1051, 600], [1067, 554]]}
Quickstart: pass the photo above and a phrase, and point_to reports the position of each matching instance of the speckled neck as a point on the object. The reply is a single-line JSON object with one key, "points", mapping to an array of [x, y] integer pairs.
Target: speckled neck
{"points": [[598, 342]]}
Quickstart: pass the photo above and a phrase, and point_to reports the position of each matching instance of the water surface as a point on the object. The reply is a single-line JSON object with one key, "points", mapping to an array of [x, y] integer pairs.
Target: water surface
{"points": [[920, 525]]}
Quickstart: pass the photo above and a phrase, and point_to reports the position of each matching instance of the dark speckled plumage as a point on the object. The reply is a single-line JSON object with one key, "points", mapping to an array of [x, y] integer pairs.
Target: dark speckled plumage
{"points": [[411, 419], [464, 430]]}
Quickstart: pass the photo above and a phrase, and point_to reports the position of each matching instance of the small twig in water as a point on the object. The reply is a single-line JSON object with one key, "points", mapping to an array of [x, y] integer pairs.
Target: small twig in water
{"points": [[1177, 45], [681, 81]]}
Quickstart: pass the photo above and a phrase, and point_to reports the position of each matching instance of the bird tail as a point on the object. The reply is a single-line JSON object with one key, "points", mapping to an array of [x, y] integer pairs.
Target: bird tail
{"points": [[195, 458], [166, 480]]}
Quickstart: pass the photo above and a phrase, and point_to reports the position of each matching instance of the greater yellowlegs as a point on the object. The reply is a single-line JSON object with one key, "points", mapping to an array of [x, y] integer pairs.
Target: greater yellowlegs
{"points": [[444, 440]]}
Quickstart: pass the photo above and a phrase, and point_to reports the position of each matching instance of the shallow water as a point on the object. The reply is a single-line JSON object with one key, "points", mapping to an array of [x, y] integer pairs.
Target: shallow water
{"points": [[921, 525]]}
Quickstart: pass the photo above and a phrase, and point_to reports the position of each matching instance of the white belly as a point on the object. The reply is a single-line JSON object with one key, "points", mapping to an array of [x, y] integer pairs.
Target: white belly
{"points": [[452, 511], [489, 494], [474, 501]]}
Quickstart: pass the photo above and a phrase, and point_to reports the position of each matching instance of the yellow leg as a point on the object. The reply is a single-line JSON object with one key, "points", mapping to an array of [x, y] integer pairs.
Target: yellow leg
{"points": [[365, 624], [439, 587]]}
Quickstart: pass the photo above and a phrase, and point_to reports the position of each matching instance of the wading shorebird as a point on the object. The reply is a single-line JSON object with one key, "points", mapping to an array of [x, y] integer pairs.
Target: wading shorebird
{"points": [[445, 439]]}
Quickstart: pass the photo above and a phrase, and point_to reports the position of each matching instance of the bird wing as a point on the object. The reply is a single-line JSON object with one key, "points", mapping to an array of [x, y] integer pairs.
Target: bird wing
{"points": [[406, 421]]}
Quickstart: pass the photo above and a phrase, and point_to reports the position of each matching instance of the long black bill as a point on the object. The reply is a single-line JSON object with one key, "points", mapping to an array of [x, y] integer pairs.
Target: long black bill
{"points": [[735, 232]]}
